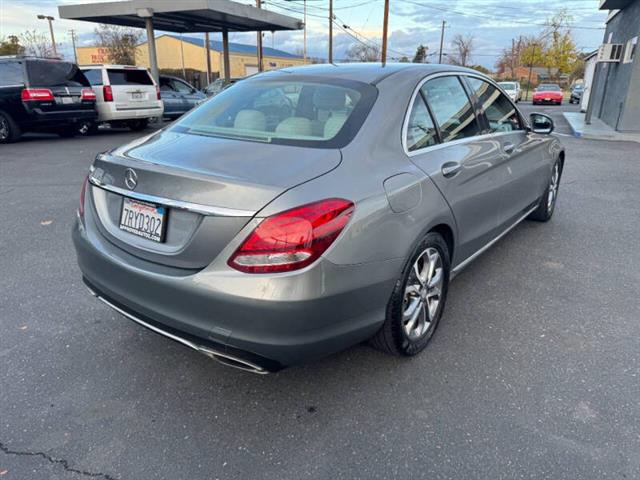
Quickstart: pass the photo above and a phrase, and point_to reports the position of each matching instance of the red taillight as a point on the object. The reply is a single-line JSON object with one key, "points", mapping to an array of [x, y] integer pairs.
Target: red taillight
{"points": [[87, 94], [83, 192], [292, 239], [158, 92], [36, 94], [107, 93]]}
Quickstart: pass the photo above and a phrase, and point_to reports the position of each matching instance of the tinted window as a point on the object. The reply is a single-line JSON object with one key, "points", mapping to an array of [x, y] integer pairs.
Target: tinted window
{"points": [[11, 73], [181, 87], [500, 112], [451, 107], [322, 113], [420, 130], [94, 76], [549, 88], [129, 77], [52, 73]]}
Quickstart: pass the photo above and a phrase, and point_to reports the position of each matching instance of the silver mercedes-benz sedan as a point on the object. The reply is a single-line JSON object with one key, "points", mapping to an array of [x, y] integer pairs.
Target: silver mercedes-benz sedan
{"points": [[305, 210]]}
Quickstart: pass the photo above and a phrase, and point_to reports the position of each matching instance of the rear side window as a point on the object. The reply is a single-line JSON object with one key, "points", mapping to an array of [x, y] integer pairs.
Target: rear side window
{"points": [[122, 76], [11, 73], [451, 107], [421, 132], [500, 112], [49, 73], [94, 76]]}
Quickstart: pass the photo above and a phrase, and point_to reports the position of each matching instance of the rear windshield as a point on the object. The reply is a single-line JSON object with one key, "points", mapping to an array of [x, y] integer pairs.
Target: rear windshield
{"points": [[51, 73], [122, 76], [293, 111], [508, 85], [549, 87]]}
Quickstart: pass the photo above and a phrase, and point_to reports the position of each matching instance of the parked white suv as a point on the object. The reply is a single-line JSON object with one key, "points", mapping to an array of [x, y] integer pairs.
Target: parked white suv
{"points": [[125, 95], [512, 89]]}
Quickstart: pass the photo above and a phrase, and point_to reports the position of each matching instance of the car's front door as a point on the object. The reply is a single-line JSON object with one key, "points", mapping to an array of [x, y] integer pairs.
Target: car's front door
{"points": [[523, 163], [190, 95], [463, 166]]}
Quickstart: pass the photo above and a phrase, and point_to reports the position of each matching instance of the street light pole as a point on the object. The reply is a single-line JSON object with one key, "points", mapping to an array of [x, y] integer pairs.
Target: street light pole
{"points": [[53, 38]]}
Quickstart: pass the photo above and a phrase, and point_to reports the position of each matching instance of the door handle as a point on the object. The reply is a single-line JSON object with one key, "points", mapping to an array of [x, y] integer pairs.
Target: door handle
{"points": [[449, 169], [508, 148]]}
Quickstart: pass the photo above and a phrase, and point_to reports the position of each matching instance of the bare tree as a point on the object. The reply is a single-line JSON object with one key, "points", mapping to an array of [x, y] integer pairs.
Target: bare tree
{"points": [[10, 45], [359, 52], [463, 49], [120, 41], [36, 43]]}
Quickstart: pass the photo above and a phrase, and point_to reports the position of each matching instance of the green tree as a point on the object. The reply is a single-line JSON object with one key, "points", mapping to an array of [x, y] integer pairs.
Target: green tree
{"points": [[421, 55], [10, 45]]}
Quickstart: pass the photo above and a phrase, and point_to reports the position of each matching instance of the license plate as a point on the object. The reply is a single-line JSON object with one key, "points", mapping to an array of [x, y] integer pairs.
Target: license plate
{"points": [[136, 96], [547, 99], [67, 100], [146, 220]]}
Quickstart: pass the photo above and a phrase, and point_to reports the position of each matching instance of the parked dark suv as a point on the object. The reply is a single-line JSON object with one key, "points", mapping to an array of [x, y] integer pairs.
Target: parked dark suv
{"points": [[38, 94]]}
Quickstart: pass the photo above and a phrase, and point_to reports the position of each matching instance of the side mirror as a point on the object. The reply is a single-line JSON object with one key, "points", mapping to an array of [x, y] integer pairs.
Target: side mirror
{"points": [[541, 123]]}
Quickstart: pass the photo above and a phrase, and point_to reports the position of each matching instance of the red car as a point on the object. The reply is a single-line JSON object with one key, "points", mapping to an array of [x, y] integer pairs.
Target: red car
{"points": [[548, 93]]}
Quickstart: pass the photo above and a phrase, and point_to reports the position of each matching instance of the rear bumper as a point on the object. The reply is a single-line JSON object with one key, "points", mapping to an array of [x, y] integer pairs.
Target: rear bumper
{"points": [[37, 118], [108, 112], [267, 321]]}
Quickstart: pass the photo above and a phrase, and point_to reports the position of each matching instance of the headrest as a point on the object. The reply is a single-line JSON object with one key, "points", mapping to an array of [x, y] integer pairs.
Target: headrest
{"points": [[334, 124], [329, 98], [295, 127], [250, 120]]}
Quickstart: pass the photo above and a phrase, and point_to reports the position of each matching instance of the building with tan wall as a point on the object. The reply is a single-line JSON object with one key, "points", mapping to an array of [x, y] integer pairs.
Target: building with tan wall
{"points": [[174, 53]]}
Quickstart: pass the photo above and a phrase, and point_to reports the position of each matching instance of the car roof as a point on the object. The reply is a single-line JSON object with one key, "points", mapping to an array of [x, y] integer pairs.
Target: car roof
{"points": [[371, 72], [104, 65]]}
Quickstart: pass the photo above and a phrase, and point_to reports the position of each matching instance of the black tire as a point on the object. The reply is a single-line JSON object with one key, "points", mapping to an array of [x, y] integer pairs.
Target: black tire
{"points": [[545, 209], [138, 125], [9, 129], [392, 337]]}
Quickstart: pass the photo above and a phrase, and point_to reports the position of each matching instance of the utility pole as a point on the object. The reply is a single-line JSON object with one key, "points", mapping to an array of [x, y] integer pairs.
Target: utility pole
{"points": [[72, 32], [53, 39], [384, 31], [533, 54], [259, 42], [304, 48], [330, 31], [513, 58], [441, 41]]}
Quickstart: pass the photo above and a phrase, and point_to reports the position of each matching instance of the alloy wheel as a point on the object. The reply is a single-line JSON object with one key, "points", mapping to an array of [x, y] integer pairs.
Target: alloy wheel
{"points": [[423, 293], [553, 188]]}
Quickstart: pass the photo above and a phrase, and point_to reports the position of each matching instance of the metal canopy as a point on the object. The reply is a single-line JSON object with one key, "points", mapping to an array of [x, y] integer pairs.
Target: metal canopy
{"points": [[182, 16]]}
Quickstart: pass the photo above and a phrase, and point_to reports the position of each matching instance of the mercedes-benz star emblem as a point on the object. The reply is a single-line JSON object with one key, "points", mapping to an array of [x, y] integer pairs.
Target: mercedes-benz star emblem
{"points": [[130, 178]]}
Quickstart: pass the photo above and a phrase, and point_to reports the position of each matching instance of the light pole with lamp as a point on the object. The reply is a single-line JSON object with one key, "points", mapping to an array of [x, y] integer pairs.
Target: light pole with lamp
{"points": [[53, 39]]}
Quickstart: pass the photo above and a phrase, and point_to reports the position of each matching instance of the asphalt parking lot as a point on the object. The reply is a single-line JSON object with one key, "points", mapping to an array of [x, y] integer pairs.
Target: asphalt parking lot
{"points": [[534, 372]]}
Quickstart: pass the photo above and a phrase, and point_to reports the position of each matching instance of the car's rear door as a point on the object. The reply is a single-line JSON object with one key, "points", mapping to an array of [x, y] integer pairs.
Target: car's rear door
{"points": [[522, 163], [133, 88], [464, 165]]}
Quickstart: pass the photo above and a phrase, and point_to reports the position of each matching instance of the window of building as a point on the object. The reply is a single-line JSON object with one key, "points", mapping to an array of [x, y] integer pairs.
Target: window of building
{"points": [[451, 107], [498, 109], [630, 50], [421, 132]]}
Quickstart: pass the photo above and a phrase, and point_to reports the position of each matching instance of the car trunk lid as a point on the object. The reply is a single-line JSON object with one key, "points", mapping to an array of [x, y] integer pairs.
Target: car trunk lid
{"points": [[211, 187]]}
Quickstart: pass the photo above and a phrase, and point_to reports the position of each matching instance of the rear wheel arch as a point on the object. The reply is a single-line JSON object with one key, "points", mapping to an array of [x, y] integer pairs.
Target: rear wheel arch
{"points": [[446, 232]]}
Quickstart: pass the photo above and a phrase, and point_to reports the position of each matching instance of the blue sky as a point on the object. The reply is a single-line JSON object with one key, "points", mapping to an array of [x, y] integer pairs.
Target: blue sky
{"points": [[492, 22]]}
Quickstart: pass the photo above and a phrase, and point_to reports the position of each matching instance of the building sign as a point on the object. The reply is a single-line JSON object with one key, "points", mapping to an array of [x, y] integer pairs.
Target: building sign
{"points": [[100, 55]]}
